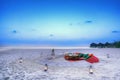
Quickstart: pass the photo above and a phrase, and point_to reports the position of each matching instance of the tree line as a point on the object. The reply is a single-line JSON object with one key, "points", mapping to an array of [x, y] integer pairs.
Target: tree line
{"points": [[115, 44]]}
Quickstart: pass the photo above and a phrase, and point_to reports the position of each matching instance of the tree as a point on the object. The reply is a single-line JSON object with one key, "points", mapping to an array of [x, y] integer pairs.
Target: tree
{"points": [[107, 44], [100, 45], [117, 44], [94, 45]]}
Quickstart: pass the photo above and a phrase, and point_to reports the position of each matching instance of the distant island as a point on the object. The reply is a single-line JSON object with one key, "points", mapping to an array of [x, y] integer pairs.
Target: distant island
{"points": [[115, 44]]}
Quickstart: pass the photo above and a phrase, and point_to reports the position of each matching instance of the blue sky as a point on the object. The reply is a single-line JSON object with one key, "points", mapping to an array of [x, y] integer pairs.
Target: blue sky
{"points": [[59, 22]]}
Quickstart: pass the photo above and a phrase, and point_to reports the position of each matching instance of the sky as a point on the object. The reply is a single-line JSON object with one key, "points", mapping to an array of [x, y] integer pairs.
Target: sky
{"points": [[59, 22]]}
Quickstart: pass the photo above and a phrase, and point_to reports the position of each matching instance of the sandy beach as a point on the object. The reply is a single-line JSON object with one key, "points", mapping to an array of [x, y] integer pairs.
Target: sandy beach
{"points": [[33, 60]]}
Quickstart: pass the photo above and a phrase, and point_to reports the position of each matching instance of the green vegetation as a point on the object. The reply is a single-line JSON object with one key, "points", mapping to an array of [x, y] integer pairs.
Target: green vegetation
{"points": [[115, 44]]}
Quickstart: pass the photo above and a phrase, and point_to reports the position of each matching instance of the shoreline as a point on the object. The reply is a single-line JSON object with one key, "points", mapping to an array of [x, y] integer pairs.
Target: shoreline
{"points": [[37, 47]]}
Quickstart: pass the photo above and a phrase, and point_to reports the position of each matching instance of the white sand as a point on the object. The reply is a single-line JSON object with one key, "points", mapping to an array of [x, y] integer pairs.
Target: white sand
{"points": [[59, 69]]}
